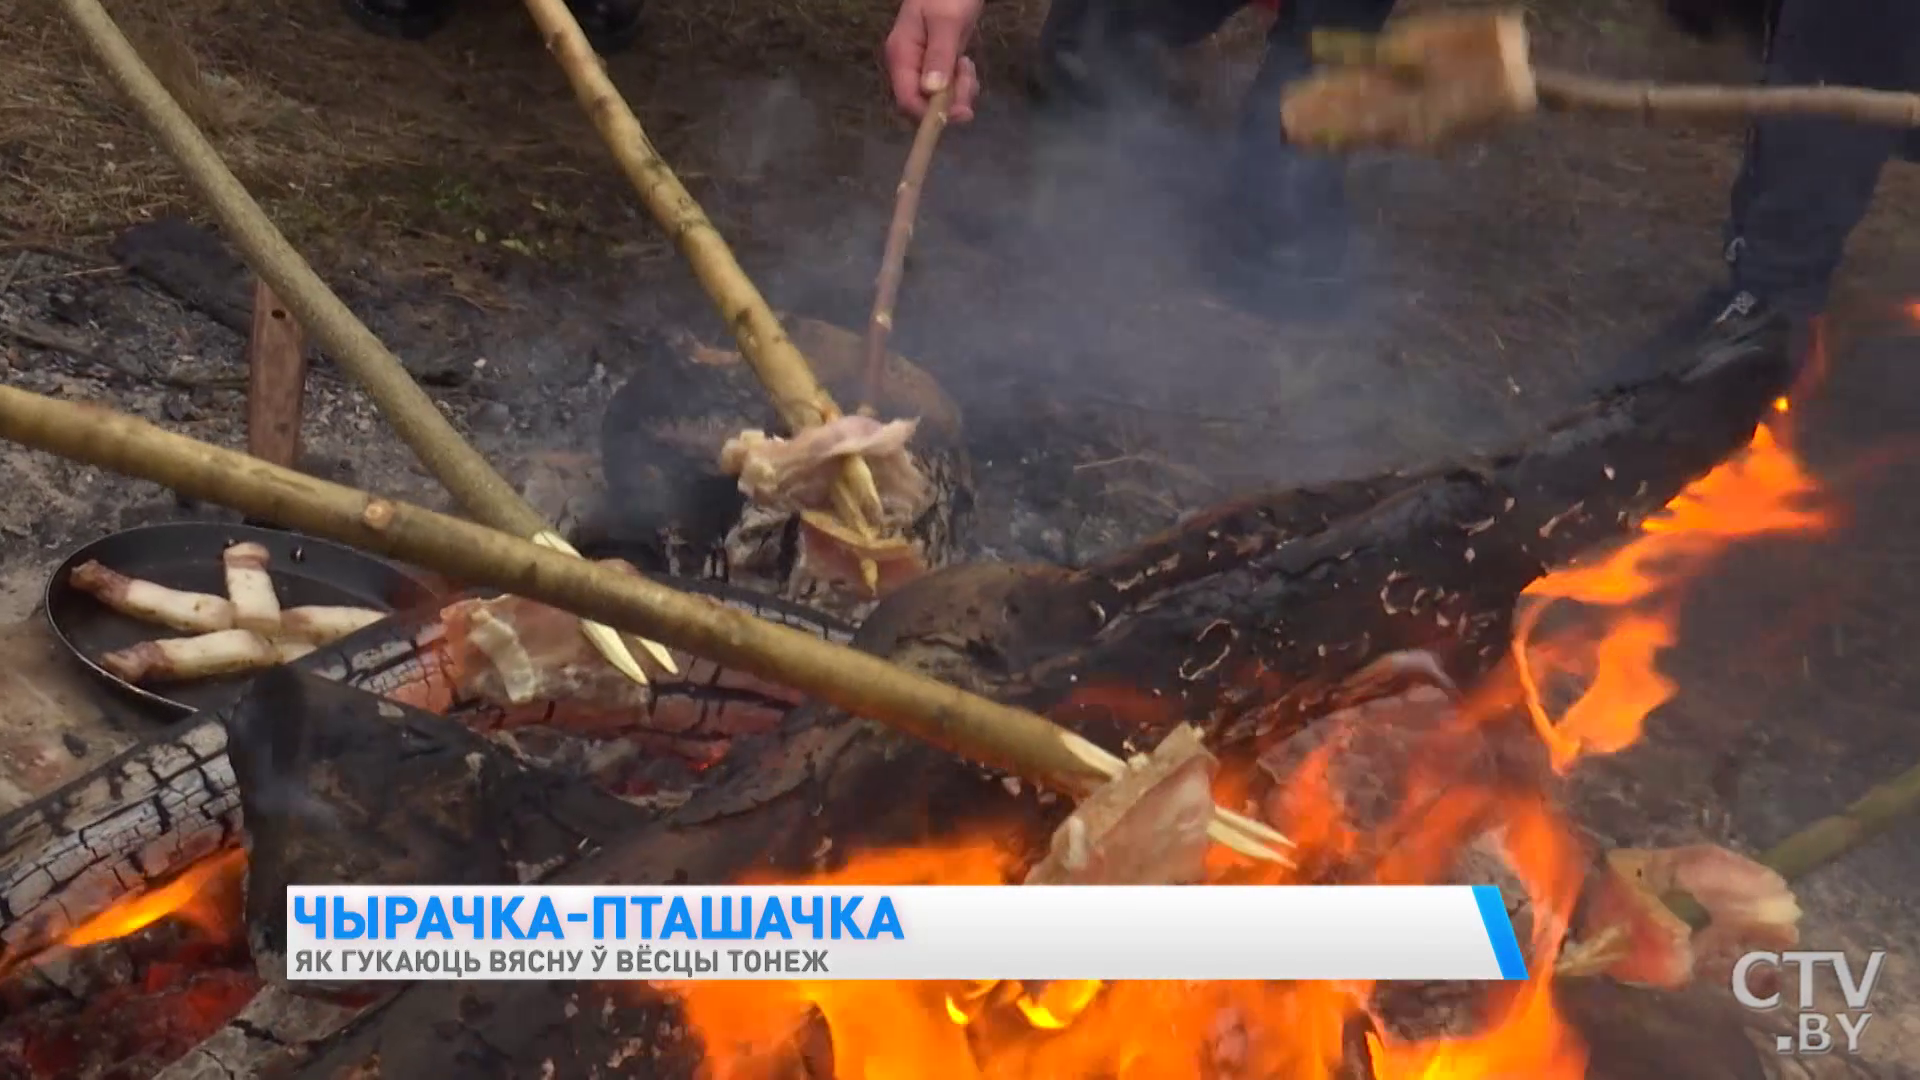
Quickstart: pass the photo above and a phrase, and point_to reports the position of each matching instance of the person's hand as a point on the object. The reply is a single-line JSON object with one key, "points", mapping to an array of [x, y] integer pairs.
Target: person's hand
{"points": [[927, 51]]}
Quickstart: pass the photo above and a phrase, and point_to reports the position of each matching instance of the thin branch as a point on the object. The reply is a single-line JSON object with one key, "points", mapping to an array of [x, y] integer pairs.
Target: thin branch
{"points": [[893, 262]]}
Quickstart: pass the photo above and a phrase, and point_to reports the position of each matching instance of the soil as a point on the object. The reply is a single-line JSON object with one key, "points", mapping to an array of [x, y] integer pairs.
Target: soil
{"points": [[455, 196]]}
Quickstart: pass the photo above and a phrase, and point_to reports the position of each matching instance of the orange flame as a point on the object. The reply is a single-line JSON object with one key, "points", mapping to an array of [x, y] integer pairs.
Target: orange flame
{"points": [[1303, 1031], [1760, 491], [190, 897]]}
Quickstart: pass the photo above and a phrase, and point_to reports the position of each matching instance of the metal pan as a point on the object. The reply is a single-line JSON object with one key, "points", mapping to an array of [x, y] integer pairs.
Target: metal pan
{"points": [[186, 555]]}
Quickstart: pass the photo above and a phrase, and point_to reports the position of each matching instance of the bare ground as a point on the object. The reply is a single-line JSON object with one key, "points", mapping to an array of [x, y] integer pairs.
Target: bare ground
{"points": [[455, 196]]}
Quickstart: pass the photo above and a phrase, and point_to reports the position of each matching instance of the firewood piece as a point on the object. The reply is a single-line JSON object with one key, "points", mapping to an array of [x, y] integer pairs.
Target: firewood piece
{"points": [[256, 606], [141, 817], [276, 380], [225, 652], [341, 786], [1427, 81], [276, 1031], [324, 625], [1148, 827], [187, 612]]}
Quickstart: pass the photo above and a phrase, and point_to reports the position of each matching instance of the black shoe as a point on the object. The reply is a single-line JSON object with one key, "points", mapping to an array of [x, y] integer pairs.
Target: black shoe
{"points": [[1724, 326], [409, 20]]}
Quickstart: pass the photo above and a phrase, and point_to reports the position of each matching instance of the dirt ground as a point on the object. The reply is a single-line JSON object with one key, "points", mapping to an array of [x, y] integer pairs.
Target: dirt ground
{"points": [[455, 196]]}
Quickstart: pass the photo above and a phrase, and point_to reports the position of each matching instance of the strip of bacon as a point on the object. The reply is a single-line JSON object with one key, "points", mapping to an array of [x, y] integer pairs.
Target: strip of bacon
{"points": [[188, 612], [224, 652], [324, 625], [256, 606]]}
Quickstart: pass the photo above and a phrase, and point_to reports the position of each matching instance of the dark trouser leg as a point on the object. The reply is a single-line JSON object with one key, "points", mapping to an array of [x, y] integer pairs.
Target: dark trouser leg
{"points": [[1102, 51], [1278, 196], [1805, 183]]}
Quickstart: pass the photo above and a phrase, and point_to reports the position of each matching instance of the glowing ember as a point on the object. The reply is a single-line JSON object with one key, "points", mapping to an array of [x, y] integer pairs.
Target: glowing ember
{"points": [[1300, 1031], [191, 897]]}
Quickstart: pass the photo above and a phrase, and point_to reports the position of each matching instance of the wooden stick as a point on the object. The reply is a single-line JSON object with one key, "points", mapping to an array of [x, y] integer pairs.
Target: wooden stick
{"points": [[893, 262], [799, 398], [1568, 93], [276, 380], [1398, 52], [480, 490], [974, 727]]}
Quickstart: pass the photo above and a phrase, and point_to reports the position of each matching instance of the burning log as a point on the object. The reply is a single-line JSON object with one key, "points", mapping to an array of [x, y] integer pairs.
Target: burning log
{"points": [[138, 820]]}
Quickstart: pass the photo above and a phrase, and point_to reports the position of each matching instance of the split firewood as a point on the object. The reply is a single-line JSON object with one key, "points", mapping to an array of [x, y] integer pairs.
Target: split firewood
{"points": [[1634, 936], [224, 652], [1147, 826], [188, 612], [1431, 80], [321, 624], [256, 606]]}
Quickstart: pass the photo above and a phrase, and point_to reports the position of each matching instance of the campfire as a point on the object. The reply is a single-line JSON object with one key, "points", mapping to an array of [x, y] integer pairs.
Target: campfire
{"points": [[1386, 771]]}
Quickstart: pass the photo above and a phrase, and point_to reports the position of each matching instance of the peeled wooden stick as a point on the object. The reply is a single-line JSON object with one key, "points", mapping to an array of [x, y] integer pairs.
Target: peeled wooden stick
{"points": [[893, 262], [972, 726], [1433, 79], [480, 490], [800, 399]]}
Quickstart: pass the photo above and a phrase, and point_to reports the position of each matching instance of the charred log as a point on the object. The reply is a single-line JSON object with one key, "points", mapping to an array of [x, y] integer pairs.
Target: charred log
{"points": [[134, 822], [339, 785], [1241, 621], [278, 1029]]}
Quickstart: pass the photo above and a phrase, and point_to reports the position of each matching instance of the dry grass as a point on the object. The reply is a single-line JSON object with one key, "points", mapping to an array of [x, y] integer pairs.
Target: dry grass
{"points": [[472, 134]]}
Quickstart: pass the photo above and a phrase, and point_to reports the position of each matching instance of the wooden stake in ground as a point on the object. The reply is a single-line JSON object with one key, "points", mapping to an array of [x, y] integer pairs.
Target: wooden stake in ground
{"points": [[800, 399], [1430, 80], [480, 490], [865, 685], [276, 380], [893, 262]]}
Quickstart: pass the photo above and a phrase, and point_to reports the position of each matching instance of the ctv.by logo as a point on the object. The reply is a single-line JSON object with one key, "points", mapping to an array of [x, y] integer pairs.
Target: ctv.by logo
{"points": [[1813, 1030]]}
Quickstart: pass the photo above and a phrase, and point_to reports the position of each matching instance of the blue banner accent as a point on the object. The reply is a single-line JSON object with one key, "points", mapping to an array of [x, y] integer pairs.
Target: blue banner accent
{"points": [[1506, 948]]}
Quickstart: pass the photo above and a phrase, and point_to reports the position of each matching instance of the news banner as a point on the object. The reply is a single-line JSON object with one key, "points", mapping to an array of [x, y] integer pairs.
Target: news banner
{"points": [[340, 933]]}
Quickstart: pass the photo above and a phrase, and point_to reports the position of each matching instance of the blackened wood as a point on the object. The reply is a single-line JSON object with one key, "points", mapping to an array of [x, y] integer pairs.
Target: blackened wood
{"points": [[137, 820], [341, 786], [1241, 621]]}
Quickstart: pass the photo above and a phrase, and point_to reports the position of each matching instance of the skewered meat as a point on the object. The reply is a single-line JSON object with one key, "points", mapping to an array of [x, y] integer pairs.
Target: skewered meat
{"points": [[224, 652], [1750, 907], [323, 625], [1148, 826], [256, 606], [799, 473], [188, 612]]}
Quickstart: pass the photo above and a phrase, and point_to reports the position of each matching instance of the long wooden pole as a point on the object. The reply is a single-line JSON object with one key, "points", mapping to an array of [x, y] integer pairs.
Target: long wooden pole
{"points": [[782, 369], [974, 727], [480, 490]]}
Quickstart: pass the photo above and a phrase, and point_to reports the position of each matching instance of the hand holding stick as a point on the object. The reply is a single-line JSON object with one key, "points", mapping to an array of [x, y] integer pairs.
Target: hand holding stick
{"points": [[893, 262]]}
